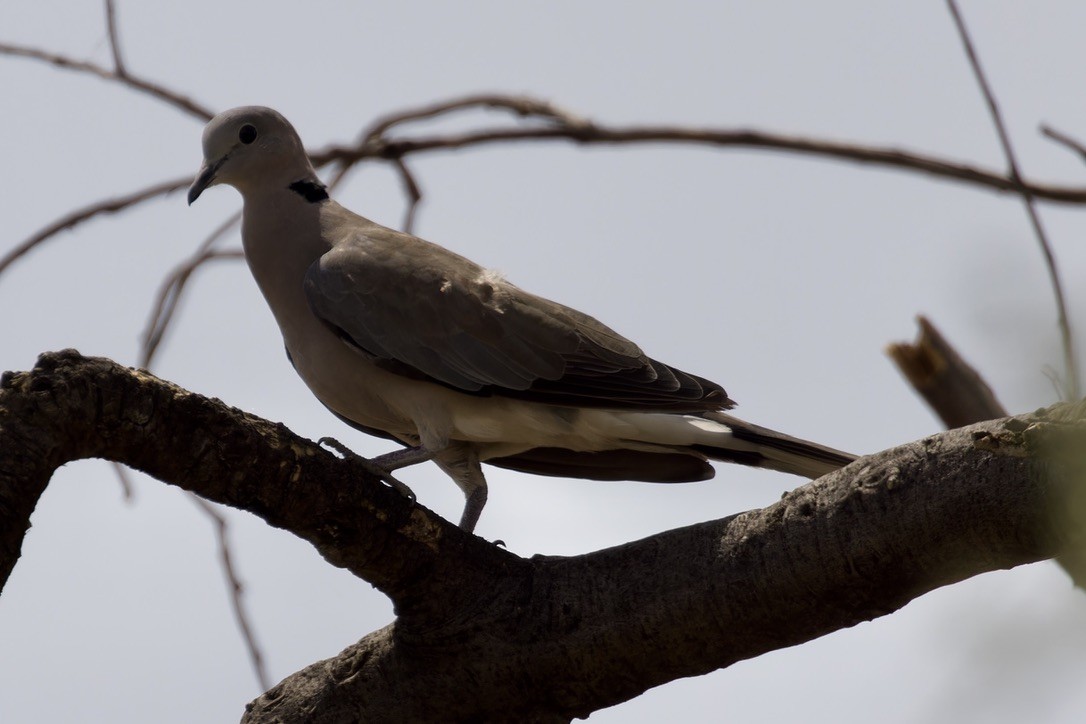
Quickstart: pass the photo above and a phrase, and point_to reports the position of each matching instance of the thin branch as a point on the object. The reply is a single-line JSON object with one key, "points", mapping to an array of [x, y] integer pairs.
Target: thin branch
{"points": [[77, 217], [588, 133], [256, 657], [1071, 387], [524, 106], [1064, 140], [340, 174], [114, 40], [127, 489], [414, 194], [170, 291], [597, 134], [169, 299], [144, 86], [951, 387]]}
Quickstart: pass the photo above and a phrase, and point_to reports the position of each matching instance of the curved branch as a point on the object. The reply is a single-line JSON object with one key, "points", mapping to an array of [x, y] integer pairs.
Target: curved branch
{"points": [[1064, 140], [523, 106], [172, 288], [591, 133], [586, 132], [77, 217], [124, 78], [71, 407], [233, 581], [482, 633]]}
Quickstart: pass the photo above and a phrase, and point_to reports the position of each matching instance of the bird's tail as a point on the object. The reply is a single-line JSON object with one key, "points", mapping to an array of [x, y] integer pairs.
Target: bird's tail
{"points": [[764, 448], [663, 447]]}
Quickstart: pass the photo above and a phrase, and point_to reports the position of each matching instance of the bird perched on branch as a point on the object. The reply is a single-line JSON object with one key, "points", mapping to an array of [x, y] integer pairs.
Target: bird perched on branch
{"points": [[404, 339]]}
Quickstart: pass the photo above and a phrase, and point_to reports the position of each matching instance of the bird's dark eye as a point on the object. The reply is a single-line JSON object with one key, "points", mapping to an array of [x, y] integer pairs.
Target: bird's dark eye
{"points": [[247, 133]]}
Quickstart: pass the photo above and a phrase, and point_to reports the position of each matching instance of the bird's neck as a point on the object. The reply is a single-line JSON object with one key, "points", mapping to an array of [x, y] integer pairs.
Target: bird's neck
{"points": [[281, 235]]}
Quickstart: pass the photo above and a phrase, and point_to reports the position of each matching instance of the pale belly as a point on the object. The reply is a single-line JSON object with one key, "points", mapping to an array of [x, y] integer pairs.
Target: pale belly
{"points": [[420, 412]]}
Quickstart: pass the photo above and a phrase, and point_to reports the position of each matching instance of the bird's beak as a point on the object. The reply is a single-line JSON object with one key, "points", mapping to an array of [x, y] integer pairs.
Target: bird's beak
{"points": [[205, 178]]}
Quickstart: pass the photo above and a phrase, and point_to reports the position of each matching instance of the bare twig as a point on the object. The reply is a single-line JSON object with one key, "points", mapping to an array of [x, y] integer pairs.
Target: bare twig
{"points": [[414, 194], [127, 489], [339, 175], [114, 40], [73, 219], [169, 299], [581, 132], [524, 106], [952, 388], [589, 133], [604, 135], [1065, 140], [256, 658], [1071, 385], [144, 86], [172, 288]]}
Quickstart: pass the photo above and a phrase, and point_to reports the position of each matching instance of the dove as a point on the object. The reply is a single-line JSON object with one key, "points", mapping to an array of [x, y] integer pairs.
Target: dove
{"points": [[406, 340]]}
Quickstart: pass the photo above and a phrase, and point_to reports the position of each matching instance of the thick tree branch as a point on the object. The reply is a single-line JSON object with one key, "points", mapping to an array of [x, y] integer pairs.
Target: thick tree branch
{"points": [[957, 393], [547, 639], [70, 407]]}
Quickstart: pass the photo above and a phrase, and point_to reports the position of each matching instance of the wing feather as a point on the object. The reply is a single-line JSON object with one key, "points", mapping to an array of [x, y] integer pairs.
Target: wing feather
{"points": [[428, 313]]}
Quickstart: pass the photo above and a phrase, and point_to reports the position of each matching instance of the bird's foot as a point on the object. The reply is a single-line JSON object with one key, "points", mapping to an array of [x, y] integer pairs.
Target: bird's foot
{"points": [[375, 466]]}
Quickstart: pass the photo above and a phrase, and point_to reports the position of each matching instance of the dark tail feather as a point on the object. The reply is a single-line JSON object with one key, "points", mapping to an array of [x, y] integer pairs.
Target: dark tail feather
{"points": [[765, 448]]}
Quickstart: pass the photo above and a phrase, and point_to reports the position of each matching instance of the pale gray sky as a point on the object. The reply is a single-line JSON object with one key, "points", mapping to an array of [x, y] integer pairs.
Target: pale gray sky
{"points": [[780, 277]]}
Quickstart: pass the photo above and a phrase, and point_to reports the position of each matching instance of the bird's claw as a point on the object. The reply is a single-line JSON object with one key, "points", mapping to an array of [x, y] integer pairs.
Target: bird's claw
{"points": [[371, 467]]}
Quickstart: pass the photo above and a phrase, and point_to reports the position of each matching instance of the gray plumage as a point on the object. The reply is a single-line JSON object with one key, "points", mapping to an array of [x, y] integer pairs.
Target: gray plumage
{"points": [[408, 340]]}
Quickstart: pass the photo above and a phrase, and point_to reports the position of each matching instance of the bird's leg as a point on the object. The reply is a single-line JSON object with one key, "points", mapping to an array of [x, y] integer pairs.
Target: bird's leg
{"points": [[473, 508], [461, 462], [382, 465]]}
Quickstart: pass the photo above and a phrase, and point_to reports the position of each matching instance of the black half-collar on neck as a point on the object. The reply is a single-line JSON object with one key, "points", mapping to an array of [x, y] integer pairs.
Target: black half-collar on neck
{"points": [[310, 190]]}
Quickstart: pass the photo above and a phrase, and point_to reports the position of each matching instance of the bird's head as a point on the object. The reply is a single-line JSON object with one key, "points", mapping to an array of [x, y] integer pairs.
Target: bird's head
{"points": [[247, 147]]}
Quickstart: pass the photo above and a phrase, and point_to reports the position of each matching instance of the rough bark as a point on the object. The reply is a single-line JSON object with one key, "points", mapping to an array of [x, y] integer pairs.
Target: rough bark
{"points": [[484, 635]]}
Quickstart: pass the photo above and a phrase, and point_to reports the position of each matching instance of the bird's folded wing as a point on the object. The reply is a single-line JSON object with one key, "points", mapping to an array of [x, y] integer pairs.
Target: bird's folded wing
{"points": [[422, 311]]}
